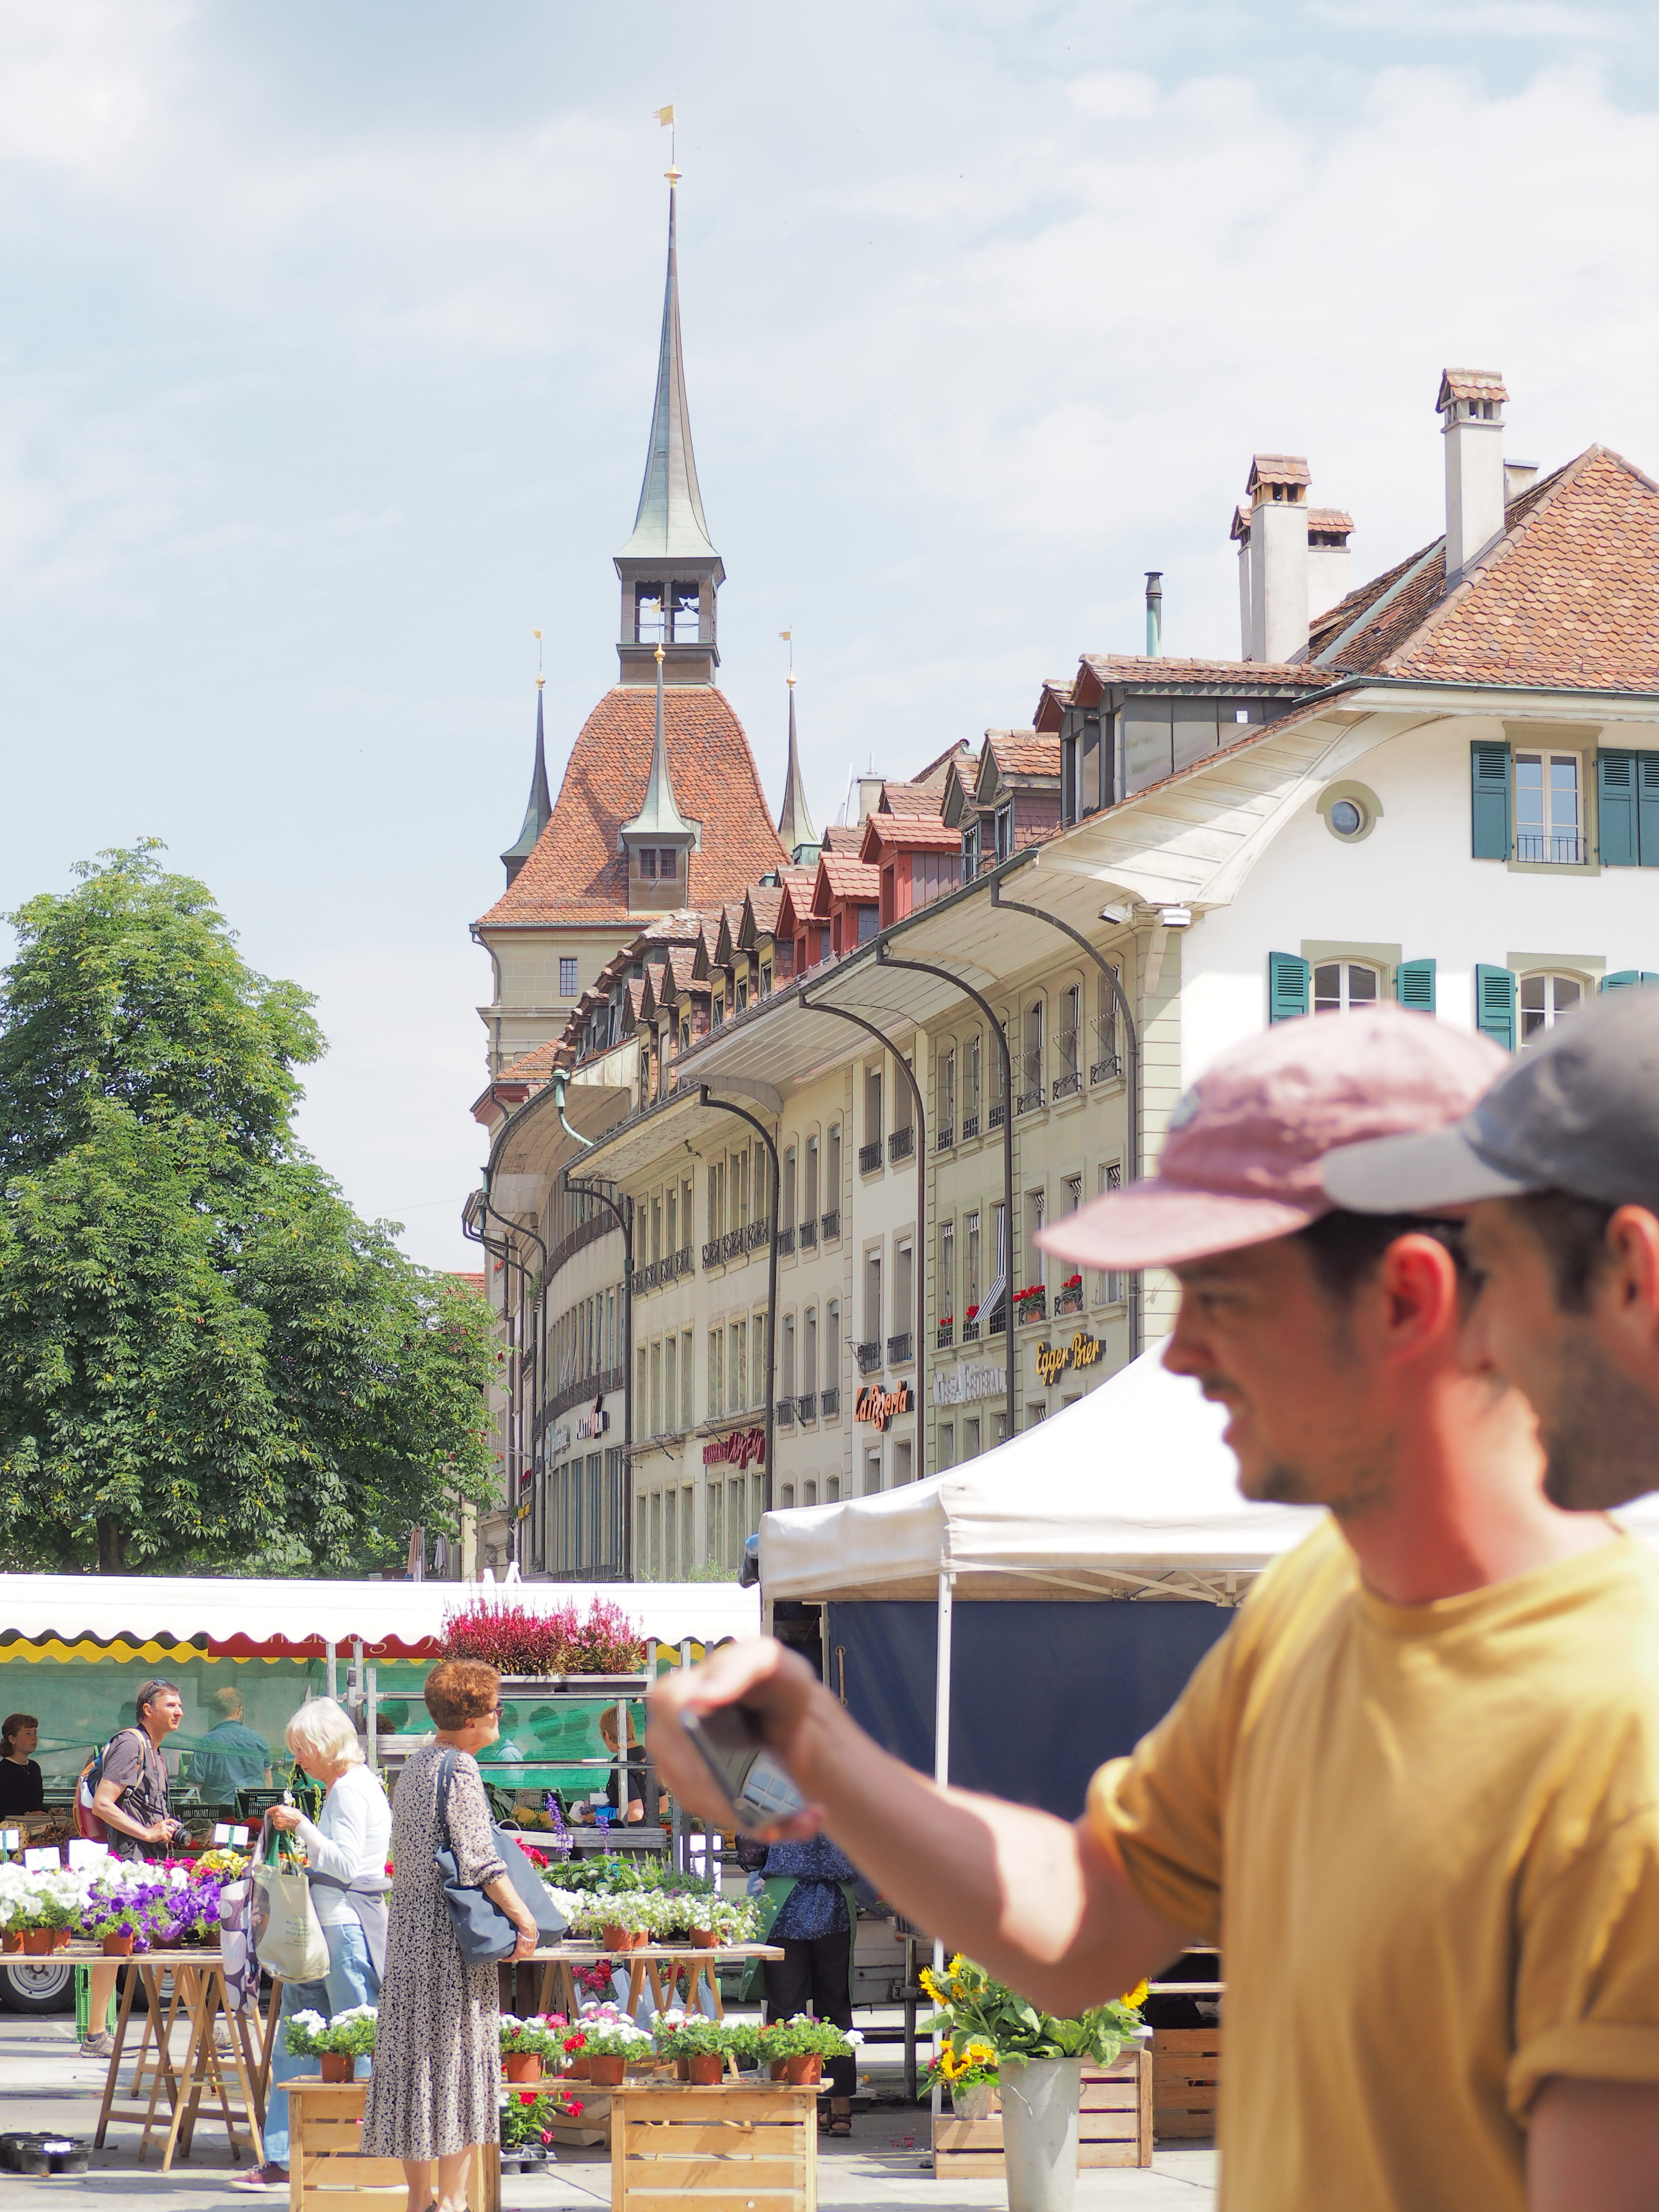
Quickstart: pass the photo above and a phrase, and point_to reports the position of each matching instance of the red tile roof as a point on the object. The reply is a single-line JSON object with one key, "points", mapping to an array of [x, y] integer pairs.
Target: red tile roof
{"points": [[1469, 384], [1141, 672], [933, 774], [839, 876], [906, 833], [576, 874], [1022, 753], [1568, 596], [911, 797]]}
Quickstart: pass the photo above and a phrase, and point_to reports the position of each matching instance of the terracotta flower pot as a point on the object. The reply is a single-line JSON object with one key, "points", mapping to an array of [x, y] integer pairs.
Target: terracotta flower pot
{"points": [[780, 2067], [522, 2065], [38, 1942], [607, 2073], [617, 1939], [807, 2066], [682, 2070], [577, 2070], [707, 2069], [118, 1944], [702, 1939], [60, 1939], [11, 1939], [337, 2065]]}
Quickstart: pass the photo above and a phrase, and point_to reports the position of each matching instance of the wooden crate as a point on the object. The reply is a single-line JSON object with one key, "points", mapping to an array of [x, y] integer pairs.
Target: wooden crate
{"points": [[1115, 2126], [1186, 2076], [749, 2149], [327, 2171]]}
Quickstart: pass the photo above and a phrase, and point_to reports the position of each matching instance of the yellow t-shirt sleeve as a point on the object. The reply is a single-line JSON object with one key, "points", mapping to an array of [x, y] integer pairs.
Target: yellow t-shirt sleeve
{"points": [[1586, 1991], [1158, 1811]]}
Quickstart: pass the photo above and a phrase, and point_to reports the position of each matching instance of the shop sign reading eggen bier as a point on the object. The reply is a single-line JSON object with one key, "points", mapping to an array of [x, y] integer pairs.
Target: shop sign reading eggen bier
{"points": [[1054, 1359]]}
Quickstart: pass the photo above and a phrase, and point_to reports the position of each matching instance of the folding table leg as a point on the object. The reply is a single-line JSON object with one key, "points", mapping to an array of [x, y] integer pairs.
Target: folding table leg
{"points": [[124, 2015]]}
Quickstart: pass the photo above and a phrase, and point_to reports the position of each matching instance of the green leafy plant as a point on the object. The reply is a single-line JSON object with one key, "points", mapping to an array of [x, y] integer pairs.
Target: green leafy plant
{"points": [[527, 2115], [801, 2038], [351, 2031], [974, 2009], [299, 2032], [695, 2037], [620, 2041]]}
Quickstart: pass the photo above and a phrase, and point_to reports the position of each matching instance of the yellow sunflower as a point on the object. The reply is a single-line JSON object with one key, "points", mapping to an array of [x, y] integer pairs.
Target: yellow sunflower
{"points": [[1135, 1997]]}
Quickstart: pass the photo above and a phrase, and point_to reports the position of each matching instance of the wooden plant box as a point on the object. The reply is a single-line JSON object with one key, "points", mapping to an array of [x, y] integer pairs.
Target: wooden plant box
{"points": [[328, 2172], [1115, 2126], [1186, 2076], [753, 2148]]}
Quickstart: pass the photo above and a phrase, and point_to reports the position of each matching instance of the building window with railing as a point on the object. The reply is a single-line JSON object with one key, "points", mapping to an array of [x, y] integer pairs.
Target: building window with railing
{"points": [[970, 1088], [944, 1101], [737, 1365], [1000, 1066], [829, 1396], [1067, 1075], [1105, 1063], [1548, 826], [945, 1302], [873, 1297], [716, 1372], [1109, 1284], [1029, 1093]]}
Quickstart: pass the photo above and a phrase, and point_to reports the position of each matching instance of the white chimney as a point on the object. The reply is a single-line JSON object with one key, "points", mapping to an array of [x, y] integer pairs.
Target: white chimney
{"points": [[1278, 488], [1240, 534], [1471, 406], [1518, 476], [1328, 532]]}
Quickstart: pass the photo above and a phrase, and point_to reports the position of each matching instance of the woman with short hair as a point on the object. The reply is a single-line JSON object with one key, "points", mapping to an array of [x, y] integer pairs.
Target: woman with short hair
{"points": [[435, 2090], [345, 1864], [22, 1789]]}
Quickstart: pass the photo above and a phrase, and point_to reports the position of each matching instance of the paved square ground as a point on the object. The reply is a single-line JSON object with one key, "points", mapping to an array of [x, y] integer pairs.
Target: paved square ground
{"points": [[45, 2084]]}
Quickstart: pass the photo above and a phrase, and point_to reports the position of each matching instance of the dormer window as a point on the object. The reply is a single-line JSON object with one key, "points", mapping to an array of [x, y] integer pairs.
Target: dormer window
{"points": [[658, 864], [718, 1013], [742, 996]]}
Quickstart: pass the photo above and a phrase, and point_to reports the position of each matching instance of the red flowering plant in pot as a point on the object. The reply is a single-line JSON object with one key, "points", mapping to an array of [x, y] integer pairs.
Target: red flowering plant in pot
{"points": [[530, 2047], [520, 1640], [526, 2123]]}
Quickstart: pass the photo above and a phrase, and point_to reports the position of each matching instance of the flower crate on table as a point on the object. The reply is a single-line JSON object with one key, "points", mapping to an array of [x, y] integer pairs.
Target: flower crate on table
{"points": [[1115, 2126], [732, 2148]]}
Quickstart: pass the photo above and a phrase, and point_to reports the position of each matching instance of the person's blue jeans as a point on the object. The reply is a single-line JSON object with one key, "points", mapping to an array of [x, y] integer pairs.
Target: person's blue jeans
{"points": [[351, 1980]]}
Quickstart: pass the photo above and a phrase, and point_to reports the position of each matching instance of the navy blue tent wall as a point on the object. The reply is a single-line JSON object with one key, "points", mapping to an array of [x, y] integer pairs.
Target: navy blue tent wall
{"points": [[1040, 1692]]}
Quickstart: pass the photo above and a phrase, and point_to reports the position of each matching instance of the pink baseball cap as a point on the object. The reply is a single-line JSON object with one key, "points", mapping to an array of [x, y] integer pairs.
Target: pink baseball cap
{"points": [[1241, 1162]]}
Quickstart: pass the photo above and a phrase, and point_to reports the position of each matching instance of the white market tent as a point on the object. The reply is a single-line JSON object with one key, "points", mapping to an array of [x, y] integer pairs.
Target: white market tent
{"points": [[271, 1619], [1130, 1493]]}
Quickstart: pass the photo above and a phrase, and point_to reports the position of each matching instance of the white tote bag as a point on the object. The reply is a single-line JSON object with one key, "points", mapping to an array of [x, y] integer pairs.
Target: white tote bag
{"points": [[288, 1936]]}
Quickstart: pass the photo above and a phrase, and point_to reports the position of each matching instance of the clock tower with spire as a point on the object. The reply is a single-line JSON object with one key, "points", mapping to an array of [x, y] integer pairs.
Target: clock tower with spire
{"points": [[661, 807]]}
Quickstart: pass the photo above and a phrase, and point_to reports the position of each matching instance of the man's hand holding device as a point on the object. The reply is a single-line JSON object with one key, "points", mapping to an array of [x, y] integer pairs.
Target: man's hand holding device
{"points": [[724, 1736]]}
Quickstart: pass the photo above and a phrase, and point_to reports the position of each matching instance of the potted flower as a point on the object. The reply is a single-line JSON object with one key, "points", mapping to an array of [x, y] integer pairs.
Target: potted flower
{"points": [[702, 2044], [528, 2044], [349, 2036], [1040, 2061], [804, 2044], [116, 1923], [299, 2032], [970, 2075], [609, 2046], [527, 2118], [631, 1918]]}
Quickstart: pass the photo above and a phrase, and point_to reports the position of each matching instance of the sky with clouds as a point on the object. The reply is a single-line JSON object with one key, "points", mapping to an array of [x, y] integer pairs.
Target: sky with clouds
{"points": [[327, 338]]}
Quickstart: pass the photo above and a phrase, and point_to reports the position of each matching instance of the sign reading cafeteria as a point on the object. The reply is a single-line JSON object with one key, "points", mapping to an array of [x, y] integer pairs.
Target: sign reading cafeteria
{"points": [[743, 1447], [1054, 1359], [879, 1406]]}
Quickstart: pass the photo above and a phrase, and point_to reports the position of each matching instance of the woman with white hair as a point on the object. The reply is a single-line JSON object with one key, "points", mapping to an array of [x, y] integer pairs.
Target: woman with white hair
{"points": [[345, 1864]]}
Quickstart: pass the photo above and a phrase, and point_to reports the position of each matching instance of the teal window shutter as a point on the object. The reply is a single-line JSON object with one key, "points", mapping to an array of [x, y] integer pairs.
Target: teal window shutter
{"points": [[1413, 985], [1489, 800], [1625, 980], [1288, 979], [1647, 809], [1615, 797], [1494, 1004]]}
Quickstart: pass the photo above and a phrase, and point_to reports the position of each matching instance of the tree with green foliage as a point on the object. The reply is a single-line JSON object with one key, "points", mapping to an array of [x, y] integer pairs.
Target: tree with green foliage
{"points": [[205, 1355]]}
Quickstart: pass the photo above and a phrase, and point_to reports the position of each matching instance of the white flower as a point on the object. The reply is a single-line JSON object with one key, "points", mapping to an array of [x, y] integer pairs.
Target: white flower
{"points": [[508, 2020], [852, 2035], [355, 2012], [313, 2022]]}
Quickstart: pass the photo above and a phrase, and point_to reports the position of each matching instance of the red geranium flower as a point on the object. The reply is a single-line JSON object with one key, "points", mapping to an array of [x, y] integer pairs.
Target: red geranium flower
{"points": [[528, 2096], [574, 2106]]}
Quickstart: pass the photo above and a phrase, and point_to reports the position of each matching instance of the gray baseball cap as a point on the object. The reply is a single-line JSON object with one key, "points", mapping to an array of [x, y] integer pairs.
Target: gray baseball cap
{"points": [[1578, 1112]]}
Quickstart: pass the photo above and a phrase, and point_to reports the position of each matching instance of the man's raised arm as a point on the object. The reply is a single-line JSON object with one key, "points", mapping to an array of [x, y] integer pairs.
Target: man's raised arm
{"points": [[1043, 1905]]}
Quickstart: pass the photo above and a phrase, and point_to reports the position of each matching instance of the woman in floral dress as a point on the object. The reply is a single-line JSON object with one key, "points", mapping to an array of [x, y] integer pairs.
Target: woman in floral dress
{"points": [[435, 2093]]}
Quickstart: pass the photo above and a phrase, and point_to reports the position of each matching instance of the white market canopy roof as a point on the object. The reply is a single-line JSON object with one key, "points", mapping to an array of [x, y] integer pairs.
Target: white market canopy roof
{"points": [[271, 1620], [1130, 1493]]}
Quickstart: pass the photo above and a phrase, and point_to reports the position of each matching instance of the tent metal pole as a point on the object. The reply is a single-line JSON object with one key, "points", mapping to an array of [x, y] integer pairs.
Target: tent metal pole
{"points": [[942, 1763]]}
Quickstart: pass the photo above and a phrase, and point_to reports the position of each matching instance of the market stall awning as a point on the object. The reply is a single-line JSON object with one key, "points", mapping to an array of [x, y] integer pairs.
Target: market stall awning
{"points": [[164, 1616], [1130, 1493]]}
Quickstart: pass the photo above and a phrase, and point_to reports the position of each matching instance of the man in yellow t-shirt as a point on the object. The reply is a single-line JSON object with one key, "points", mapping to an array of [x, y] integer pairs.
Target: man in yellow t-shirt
{"points": [[1414, 1791]]}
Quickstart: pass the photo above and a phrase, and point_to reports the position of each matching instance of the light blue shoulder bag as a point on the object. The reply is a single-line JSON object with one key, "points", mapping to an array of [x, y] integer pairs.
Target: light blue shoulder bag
{"points": [[482, 1928]]}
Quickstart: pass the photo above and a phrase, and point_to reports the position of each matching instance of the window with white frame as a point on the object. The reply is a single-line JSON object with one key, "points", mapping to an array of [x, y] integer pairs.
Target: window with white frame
{"points": [[1544, 999], [1339, 985], [1548, 827], [567, 984]]}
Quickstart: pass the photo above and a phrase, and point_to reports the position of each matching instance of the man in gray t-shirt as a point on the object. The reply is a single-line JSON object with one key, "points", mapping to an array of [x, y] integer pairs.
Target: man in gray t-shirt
{"points": [[131, 1801]]}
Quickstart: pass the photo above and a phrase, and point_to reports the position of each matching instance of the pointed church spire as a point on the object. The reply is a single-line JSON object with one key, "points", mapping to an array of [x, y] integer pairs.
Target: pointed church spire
{"points": [[795, 823], [539, 812], [670, 521]]}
